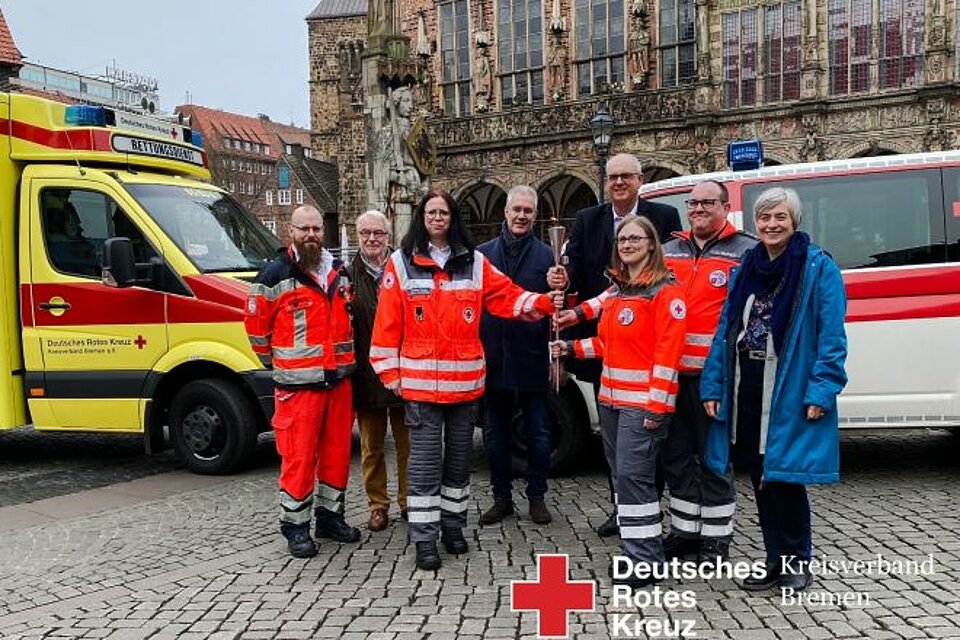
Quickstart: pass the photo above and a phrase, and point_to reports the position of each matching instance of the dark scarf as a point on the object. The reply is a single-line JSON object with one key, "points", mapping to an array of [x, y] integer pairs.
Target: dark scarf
{"points": [[759, 275], [513, 248]]}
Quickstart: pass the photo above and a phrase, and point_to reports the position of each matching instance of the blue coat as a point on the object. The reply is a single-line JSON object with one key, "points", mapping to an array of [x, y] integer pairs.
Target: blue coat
{"points": [[517, 352], [810, 371]]}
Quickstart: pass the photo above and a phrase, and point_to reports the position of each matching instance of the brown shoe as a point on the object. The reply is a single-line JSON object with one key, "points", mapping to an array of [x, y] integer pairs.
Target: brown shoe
{"points": [[378, 520], [539, 512]]}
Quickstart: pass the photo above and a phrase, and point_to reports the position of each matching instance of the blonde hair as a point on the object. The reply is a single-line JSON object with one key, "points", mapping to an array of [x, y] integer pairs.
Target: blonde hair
{"points": [[656, 270]]}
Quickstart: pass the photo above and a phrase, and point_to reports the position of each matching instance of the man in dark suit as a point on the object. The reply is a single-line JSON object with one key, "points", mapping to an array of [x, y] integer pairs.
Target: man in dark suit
{"points": [[588, 254]]}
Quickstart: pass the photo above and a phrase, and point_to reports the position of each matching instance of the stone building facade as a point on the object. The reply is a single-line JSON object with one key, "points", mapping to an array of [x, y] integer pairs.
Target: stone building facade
{"points": [[511, 85]]}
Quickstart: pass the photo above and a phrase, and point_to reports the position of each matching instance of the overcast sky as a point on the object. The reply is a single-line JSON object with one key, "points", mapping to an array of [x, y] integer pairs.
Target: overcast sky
{"points": [[245, 56]]}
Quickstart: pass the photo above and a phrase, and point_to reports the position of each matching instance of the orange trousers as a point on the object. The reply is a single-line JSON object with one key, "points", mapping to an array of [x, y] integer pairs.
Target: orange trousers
{"points": [[313, 432]]}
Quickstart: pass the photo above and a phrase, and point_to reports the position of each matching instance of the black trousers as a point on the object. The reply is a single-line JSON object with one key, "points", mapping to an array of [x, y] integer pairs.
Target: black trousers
{"points": [[782, 507]]}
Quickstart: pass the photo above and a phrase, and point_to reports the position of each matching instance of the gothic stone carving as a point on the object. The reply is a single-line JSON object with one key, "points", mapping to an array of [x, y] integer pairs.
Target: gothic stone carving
{"points": [[813, 147]]}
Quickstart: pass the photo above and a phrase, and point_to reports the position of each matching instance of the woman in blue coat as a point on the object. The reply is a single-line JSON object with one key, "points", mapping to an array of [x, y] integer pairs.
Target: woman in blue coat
{"points": [[771, 382]]}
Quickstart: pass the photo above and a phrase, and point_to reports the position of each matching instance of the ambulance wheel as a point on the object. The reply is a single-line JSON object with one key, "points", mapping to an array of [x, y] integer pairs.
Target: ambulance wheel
{"points": [[213, 426]]}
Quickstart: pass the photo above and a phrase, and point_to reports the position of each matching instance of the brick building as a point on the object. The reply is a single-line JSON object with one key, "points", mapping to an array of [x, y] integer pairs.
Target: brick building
{"points": [[268, 167], [512, 84]]}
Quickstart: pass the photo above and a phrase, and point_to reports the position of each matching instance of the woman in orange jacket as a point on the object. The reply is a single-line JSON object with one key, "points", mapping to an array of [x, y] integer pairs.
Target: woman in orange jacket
{"points": [[640, 339], [426, 348]]}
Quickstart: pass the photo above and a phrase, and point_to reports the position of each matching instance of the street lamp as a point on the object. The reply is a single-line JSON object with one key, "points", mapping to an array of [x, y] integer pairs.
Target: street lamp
{"points": [[601, 128]]}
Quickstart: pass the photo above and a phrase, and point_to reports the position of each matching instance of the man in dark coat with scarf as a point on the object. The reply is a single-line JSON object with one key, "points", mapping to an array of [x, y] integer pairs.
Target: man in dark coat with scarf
{"points": [[374, 404], [518, 360]]}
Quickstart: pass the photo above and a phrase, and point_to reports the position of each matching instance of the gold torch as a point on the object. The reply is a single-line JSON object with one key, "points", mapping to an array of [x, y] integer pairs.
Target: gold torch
{"points": [[558, 235]]}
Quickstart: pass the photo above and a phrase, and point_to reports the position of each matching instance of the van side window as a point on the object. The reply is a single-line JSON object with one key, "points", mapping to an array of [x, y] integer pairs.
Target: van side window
{"points": [[76, 225], [869, 220]]}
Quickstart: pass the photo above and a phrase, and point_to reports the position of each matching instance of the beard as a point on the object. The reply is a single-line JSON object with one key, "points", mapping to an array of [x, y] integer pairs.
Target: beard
{"points": [[309, 252]]}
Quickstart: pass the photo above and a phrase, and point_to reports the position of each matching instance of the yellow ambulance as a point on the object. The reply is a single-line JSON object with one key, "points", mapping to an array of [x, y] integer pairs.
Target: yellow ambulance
{"points": [[123, 279]]}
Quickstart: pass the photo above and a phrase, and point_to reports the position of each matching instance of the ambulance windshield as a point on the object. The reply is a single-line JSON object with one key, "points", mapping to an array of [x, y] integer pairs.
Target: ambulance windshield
{"points": [[209, 227]]}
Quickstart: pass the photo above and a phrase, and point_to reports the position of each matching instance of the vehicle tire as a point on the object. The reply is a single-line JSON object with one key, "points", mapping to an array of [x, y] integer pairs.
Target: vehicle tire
{"points": [[567, 432], [213, 426]]}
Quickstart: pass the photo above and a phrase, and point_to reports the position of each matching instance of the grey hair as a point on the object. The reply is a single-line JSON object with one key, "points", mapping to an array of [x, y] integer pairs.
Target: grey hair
{"points": [[373, 214], [522, 190], [637, 166], [776, 195]]}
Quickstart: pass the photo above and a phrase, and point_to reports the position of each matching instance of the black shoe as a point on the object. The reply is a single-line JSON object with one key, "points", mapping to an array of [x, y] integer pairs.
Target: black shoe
{"points": [[301, 545], [676, 546], [797, 581], [609, 528], [336, 528], [770, 577], [539, 512], [634, 582], [453, 541], [502, 507], [428, 558], [711, 549], [403, 514]]}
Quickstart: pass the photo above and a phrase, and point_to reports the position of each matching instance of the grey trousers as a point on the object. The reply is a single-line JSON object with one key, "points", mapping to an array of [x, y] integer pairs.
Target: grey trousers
{"points": [[632, 453], [441, 455]]}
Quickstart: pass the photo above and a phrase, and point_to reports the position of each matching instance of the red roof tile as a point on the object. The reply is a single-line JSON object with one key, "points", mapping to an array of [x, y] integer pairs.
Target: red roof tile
{"points": [[214, 125], [9, 53]]}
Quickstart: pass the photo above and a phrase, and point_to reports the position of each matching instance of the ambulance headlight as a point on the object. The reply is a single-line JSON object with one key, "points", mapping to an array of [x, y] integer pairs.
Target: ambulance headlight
{"points": [[85, 115]]}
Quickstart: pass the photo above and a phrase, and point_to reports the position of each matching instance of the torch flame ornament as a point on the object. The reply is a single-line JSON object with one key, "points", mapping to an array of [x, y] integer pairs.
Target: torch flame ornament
{"points": [[558, 236]]}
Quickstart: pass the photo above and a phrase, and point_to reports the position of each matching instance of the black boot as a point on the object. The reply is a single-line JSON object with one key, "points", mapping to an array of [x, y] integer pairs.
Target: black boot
{"points": [[610, 527], [770, 577], [675, 546], [428, 558], [299, 542], [332, 525], [453, 540], [711, 549], [502, 507]]}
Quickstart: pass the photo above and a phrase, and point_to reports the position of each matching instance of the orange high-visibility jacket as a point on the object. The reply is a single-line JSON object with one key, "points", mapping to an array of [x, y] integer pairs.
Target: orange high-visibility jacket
{"points": [[299, 329], [705, 281], [640, 338], [427, 331]]}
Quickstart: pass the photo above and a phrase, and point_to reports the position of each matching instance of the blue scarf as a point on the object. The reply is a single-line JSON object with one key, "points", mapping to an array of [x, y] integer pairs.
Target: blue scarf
{"points": [[759, 275]]}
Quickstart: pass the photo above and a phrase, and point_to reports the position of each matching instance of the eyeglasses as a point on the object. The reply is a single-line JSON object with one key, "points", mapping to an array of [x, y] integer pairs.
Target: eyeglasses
{"points": [[706, 203], [614, 177], [436, 213], [367, 233], [622, 240], [308, 229]]}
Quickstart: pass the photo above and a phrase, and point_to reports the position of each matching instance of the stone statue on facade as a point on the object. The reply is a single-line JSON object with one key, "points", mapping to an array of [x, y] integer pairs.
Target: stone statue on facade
{"points": [[638, 60], [557, 67], [482, 81], [406, 183]]}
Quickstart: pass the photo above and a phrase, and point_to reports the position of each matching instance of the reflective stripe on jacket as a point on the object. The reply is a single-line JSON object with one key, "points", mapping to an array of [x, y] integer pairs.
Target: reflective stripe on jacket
{"points": [[705, 280], [640, 338], [299, 329], [426, 333]]}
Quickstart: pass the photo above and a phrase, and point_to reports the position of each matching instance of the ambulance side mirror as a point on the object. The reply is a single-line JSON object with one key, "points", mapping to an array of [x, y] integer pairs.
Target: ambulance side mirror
{"points": [[119, 269]]}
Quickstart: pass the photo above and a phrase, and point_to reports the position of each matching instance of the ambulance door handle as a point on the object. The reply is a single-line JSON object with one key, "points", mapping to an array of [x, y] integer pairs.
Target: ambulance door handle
{"points": [[57, 306]]}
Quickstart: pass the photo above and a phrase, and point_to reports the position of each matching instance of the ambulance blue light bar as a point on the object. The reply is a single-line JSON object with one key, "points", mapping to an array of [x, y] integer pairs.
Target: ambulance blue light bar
{"points": [[744, 155], [85, 115], [196, 139]]}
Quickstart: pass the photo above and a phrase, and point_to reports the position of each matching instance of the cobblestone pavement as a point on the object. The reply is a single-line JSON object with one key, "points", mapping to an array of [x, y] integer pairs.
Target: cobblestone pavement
{"points": [[200, 558]]}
